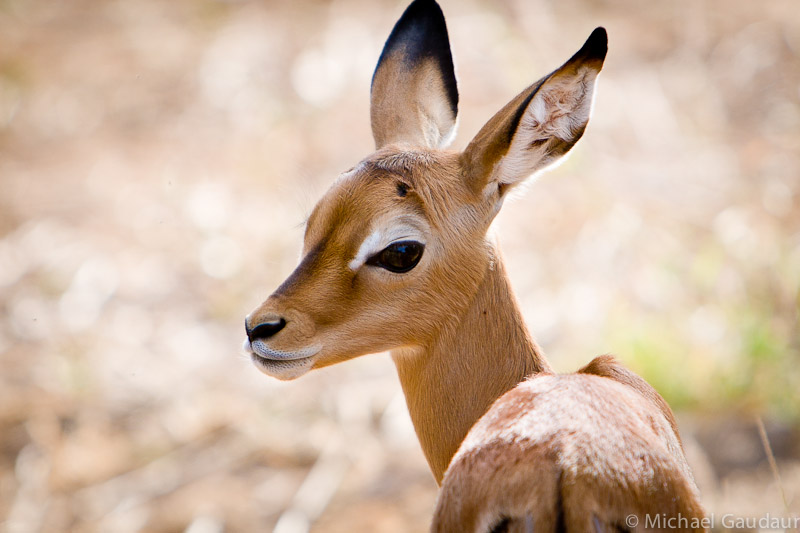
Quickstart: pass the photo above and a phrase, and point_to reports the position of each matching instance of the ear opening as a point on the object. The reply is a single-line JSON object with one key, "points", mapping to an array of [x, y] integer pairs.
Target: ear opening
{"points": [[414, 95], [540, 125]]}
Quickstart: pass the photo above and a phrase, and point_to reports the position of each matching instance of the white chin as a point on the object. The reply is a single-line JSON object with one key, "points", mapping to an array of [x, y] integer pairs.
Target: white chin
{"points": [[246, 347], [280, 364], [259, 347], [284, 370]]}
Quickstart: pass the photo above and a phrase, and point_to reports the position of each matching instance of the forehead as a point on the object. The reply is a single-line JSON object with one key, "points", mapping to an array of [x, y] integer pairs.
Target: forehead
{"points": [[389, 183]]}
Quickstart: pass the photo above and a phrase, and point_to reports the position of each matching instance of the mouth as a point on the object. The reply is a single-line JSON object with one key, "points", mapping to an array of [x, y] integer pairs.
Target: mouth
{"points": [[278, 363]]}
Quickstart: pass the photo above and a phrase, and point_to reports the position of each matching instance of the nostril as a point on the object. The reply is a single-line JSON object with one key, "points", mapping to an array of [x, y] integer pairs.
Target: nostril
{"points": [[265, 330]]}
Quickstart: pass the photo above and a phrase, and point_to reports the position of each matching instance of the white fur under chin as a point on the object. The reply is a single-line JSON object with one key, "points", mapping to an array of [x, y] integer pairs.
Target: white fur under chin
{"points": [[260, 348], [280, 364], [283, 370]]}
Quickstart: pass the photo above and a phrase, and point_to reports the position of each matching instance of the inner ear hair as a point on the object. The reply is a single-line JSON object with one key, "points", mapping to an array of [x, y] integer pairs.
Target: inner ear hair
{"points": [[557, 116], [551, 124], [540, 125]]}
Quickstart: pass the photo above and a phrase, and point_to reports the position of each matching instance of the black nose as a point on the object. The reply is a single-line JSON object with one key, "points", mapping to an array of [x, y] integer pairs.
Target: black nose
{"points": [[264, 330]]}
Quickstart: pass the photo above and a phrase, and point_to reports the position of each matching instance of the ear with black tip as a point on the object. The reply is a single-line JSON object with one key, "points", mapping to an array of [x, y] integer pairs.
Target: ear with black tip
{"points": [[540, 125], [414, 98]]}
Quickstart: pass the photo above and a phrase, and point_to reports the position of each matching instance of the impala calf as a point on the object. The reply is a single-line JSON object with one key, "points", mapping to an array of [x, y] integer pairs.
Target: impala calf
{"points": [[396, 257]]}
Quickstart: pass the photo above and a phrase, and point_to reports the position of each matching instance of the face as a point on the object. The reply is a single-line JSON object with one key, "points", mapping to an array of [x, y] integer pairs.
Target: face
{"points": [[392, 247], [396, 248]]}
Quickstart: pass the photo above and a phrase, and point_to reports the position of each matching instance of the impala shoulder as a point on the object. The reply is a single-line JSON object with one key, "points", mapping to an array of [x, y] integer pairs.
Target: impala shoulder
{"points": [[608, 366], [583, 410]]}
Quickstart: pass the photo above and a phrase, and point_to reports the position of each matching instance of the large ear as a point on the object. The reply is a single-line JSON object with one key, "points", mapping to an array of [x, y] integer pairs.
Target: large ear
{"points": [[540, 125], [414, 98]]}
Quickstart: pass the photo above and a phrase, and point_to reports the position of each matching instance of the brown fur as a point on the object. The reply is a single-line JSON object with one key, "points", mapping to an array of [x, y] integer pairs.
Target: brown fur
{"points": [[575, 452], [607, 366], [581, 449]]}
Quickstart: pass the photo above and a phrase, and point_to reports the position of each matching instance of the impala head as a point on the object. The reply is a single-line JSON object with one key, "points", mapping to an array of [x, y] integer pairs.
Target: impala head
{"points": [[398, 244]]}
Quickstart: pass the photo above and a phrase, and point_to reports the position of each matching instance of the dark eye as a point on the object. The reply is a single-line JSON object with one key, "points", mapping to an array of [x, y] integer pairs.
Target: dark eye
{"points": [[398, 257]]}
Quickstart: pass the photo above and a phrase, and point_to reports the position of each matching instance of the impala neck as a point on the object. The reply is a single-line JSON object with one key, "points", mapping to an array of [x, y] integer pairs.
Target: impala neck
{"points": [[480, 355]]}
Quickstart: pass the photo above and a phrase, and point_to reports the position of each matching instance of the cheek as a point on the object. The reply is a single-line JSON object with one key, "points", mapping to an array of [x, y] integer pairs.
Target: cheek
{"points": [[376, 304], [339, 302], [375, 310], [411, 311]]}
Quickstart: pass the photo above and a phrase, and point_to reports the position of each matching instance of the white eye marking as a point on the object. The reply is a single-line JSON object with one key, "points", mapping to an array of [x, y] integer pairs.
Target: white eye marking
{"points": [[365, 251], [380, 239]]}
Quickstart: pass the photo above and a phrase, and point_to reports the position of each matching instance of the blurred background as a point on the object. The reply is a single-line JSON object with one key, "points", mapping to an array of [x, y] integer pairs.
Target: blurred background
{"points": [[158, 159]]}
